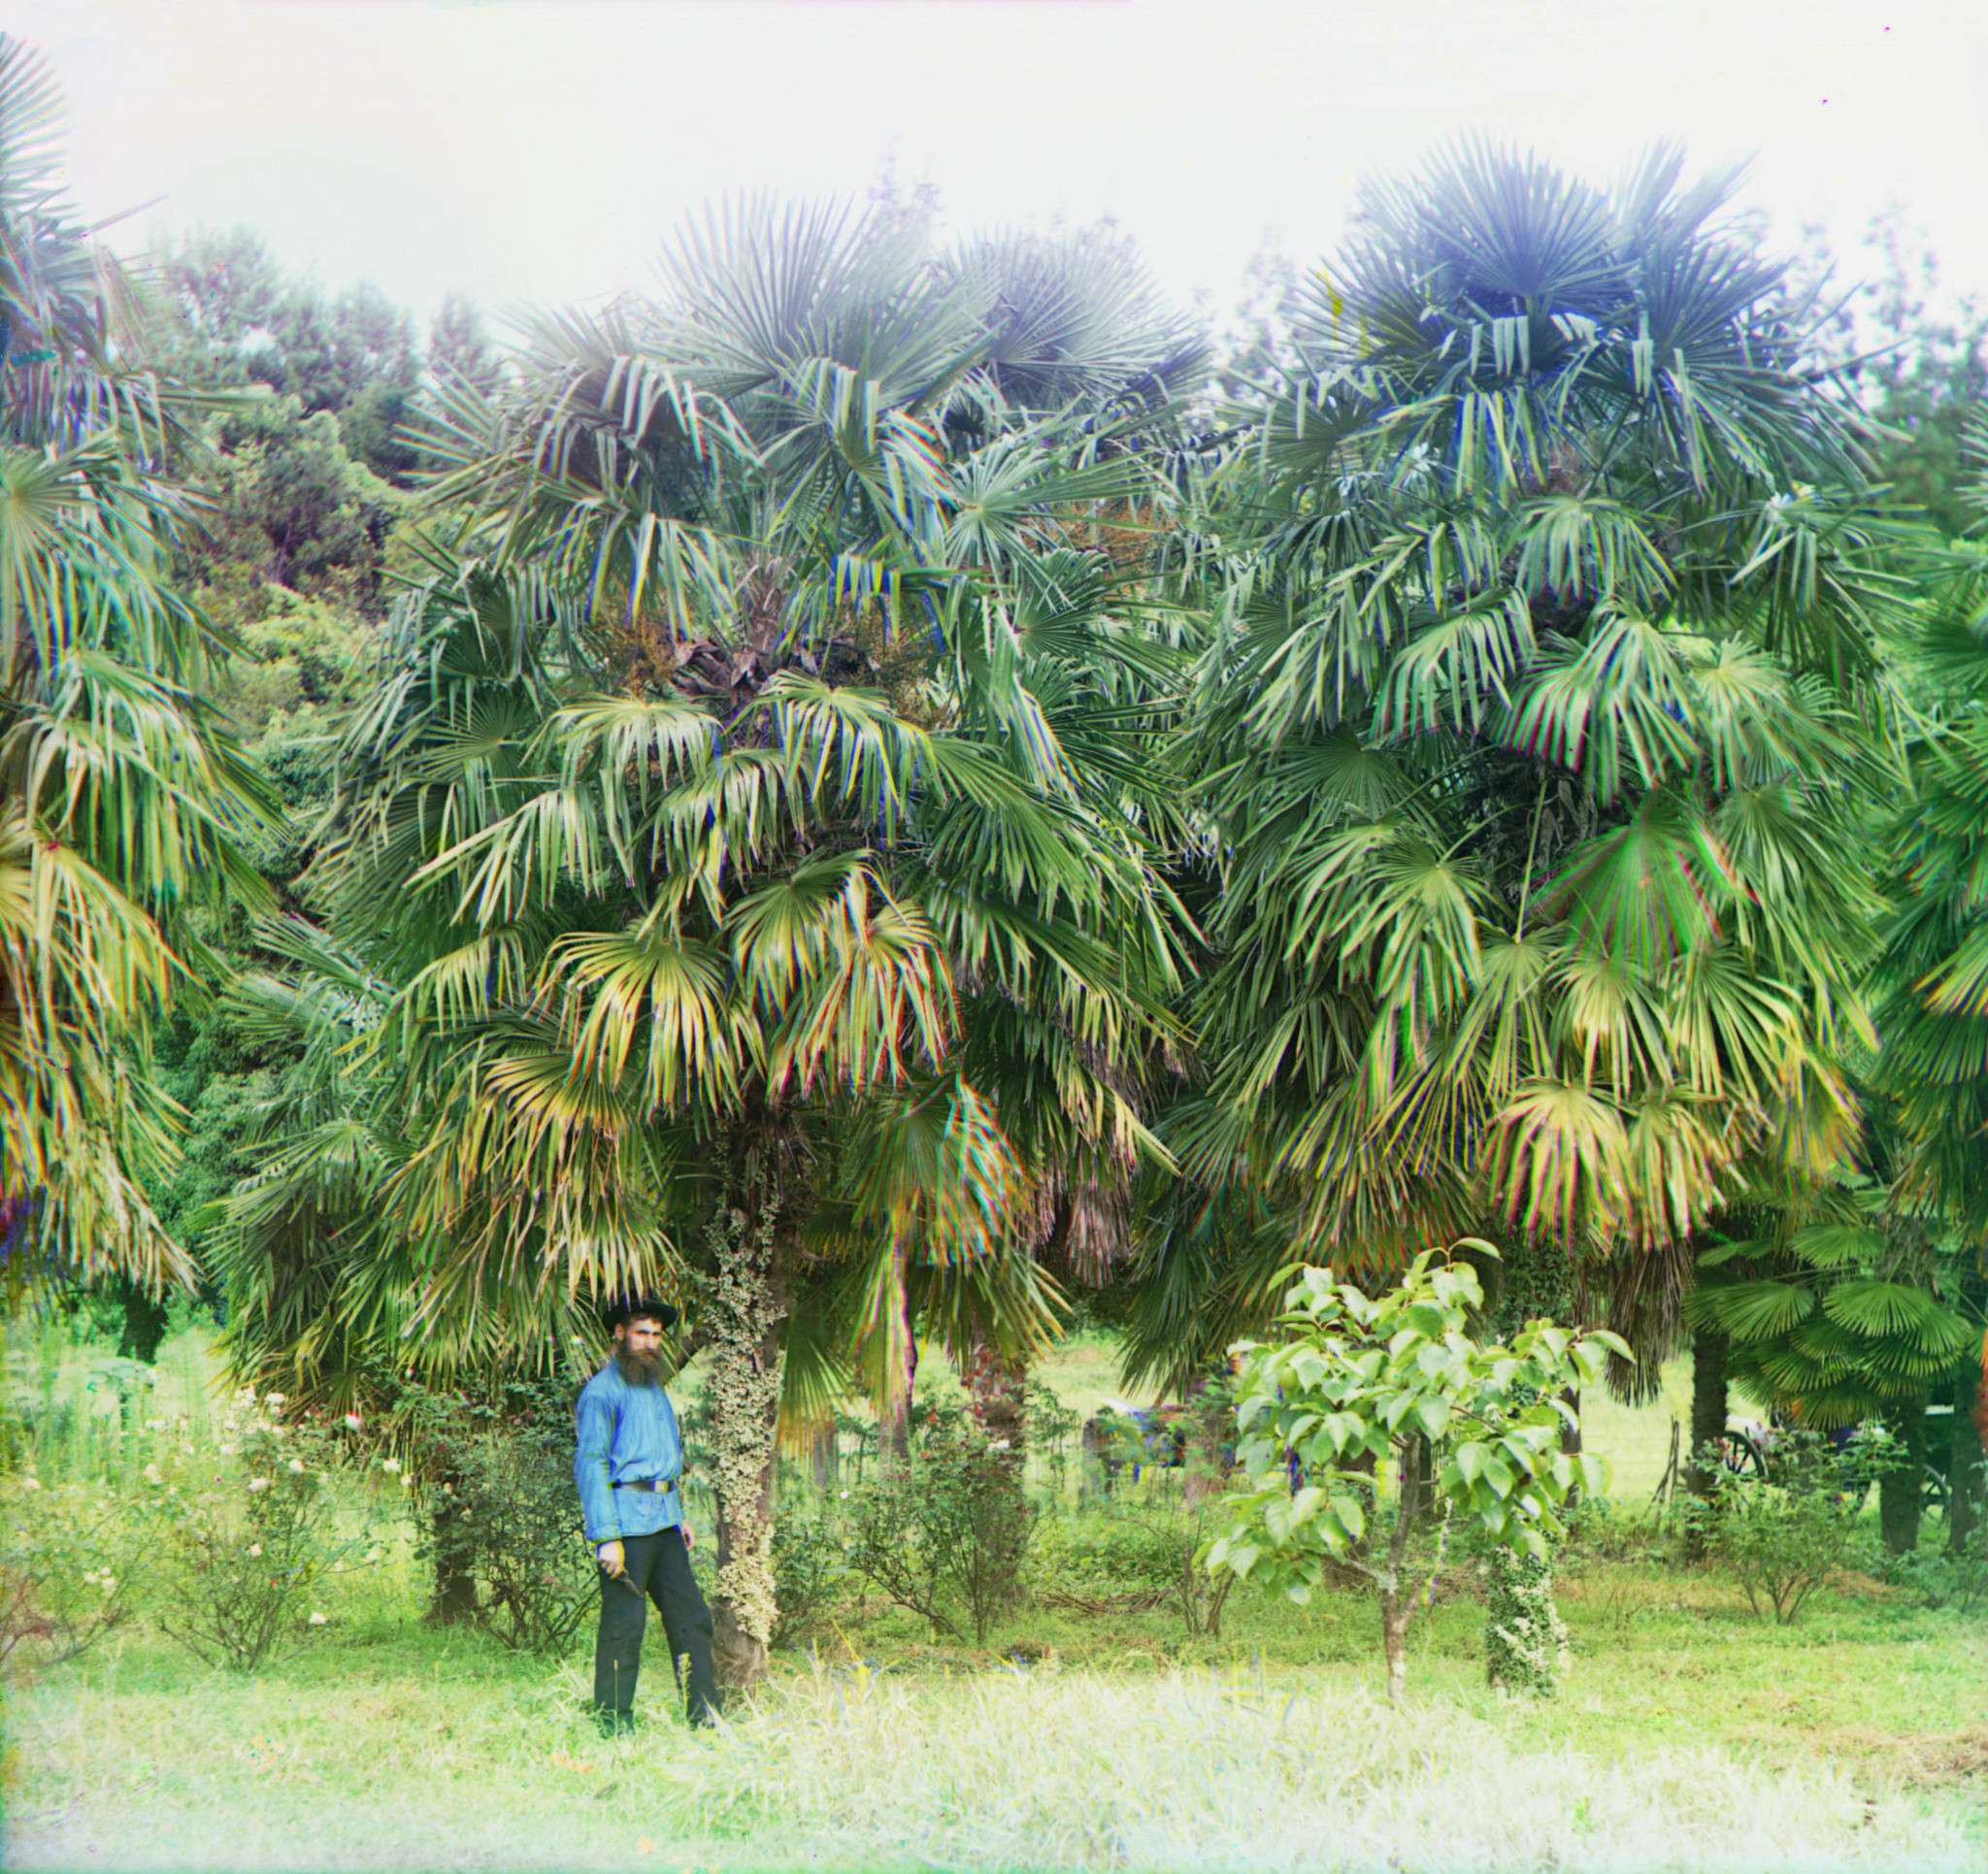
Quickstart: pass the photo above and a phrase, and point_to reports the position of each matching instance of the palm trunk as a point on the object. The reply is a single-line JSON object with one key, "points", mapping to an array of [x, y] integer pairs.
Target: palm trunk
{"points": [[998, 1387], [1211, 1421], [742, 1320], [1570, 1435], [1900, 1492], [1708, 1420], [453, 1597], [1964, 1470], [899, 1378]]}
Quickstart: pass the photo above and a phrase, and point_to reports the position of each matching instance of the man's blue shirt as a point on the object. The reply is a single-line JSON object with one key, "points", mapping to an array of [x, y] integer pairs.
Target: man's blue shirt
{"points": [[621, 1431]]}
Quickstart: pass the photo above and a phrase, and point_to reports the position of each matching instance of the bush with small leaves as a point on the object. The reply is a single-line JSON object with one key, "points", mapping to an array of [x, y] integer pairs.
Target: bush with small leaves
{"points": [[242, 1551], [1784, 1536], [75, 1557], [945, 1535], [811, 1569]]}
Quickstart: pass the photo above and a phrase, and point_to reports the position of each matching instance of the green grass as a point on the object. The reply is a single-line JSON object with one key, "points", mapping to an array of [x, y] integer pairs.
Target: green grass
{"points": [[1690, 1735], [402, 1748]]}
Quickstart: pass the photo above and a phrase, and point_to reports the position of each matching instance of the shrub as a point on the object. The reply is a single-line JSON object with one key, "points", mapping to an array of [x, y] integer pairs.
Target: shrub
{"points": [[517, 1533], [504, 1517], [945, 1535], [241, 1559], [1785, 1537], [1118, 1558], [74, 1563], [810, 1568], [1050, 1424]]}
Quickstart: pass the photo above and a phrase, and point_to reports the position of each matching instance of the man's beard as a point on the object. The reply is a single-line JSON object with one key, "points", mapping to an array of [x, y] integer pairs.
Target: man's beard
{"points": [[639, 1370]]}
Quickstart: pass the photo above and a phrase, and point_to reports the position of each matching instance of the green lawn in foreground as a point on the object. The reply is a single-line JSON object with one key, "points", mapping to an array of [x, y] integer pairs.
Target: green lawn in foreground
{"points": [[1690, 1735], [394, 1746]]}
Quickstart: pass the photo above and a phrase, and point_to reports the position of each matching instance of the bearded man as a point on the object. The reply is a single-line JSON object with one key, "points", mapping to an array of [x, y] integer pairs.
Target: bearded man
{"points": [[627, 1460]]}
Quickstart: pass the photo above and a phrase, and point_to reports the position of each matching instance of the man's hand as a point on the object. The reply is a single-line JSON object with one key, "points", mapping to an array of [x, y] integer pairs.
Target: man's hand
{"points": [[612, 1558], [689, 1536]]}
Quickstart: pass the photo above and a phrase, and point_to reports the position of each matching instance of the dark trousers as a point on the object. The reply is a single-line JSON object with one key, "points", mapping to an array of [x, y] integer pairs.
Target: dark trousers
{"points": [[659, 1570]]}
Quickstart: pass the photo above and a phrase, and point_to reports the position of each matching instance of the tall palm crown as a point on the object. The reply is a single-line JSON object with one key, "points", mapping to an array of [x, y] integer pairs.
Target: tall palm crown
{"points": [[124, 801], [757, 824], [1532, 720]]}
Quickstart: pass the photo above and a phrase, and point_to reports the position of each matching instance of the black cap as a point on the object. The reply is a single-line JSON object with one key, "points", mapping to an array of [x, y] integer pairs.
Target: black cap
{"points": [[649, 1307]]}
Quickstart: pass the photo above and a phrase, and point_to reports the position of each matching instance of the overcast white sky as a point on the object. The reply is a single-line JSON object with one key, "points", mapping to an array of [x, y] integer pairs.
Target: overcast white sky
{"points": [[539, 148]]}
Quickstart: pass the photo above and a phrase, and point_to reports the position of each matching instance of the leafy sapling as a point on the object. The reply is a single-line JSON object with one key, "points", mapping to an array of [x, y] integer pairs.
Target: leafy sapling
{"points": [[1472, 1429]]}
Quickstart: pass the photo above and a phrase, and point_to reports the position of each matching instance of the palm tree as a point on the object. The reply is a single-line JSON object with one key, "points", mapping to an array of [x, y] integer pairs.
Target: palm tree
{"points": [[1533, 733], [125, 802], [1934, 1068], [761, 839]]}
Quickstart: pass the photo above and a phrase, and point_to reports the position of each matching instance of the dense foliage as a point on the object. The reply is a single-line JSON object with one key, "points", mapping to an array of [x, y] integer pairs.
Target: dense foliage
{"points": [[879, 782]]}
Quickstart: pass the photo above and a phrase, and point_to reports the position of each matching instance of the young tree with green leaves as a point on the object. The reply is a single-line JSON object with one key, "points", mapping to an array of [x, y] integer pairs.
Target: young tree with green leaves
{"points": [[1472, 1429]]}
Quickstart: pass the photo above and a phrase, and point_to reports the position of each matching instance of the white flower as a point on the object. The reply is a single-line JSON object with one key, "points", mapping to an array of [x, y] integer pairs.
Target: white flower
{"points": [[256, 1548], [353, 1420], [390, 1464], [846, 1493], [296, 1464], [151, 1474], [258, 1483], [316, 1620], [272, 1398], [110, 1581]]}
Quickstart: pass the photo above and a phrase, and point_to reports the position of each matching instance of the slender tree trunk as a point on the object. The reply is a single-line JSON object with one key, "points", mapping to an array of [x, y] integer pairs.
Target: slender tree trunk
{"points": [[1708, 1419], [823, 1457], [743, 1316], [1397, 1609], [1964, 1470], [1900, 1492]]}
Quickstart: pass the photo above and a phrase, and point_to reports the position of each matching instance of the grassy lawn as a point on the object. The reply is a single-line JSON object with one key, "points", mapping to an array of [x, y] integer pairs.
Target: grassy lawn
{"points": [[1689, 1733]]}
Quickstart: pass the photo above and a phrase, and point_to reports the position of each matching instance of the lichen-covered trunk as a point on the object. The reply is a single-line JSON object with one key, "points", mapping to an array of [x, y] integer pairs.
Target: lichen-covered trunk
{"points": [[742, 1328]]}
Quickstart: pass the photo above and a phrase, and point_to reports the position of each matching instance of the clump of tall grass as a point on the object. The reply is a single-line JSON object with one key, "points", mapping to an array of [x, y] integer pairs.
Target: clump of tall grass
{"points": [[1077, 1771]]}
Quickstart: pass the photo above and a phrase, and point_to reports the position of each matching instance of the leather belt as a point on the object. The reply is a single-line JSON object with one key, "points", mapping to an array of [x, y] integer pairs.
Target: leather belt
{"points": [[659, 1486]]}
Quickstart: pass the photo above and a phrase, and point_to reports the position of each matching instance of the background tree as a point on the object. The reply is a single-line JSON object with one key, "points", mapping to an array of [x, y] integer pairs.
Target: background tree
{"points": [[125, 802], [1546, 617]]}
